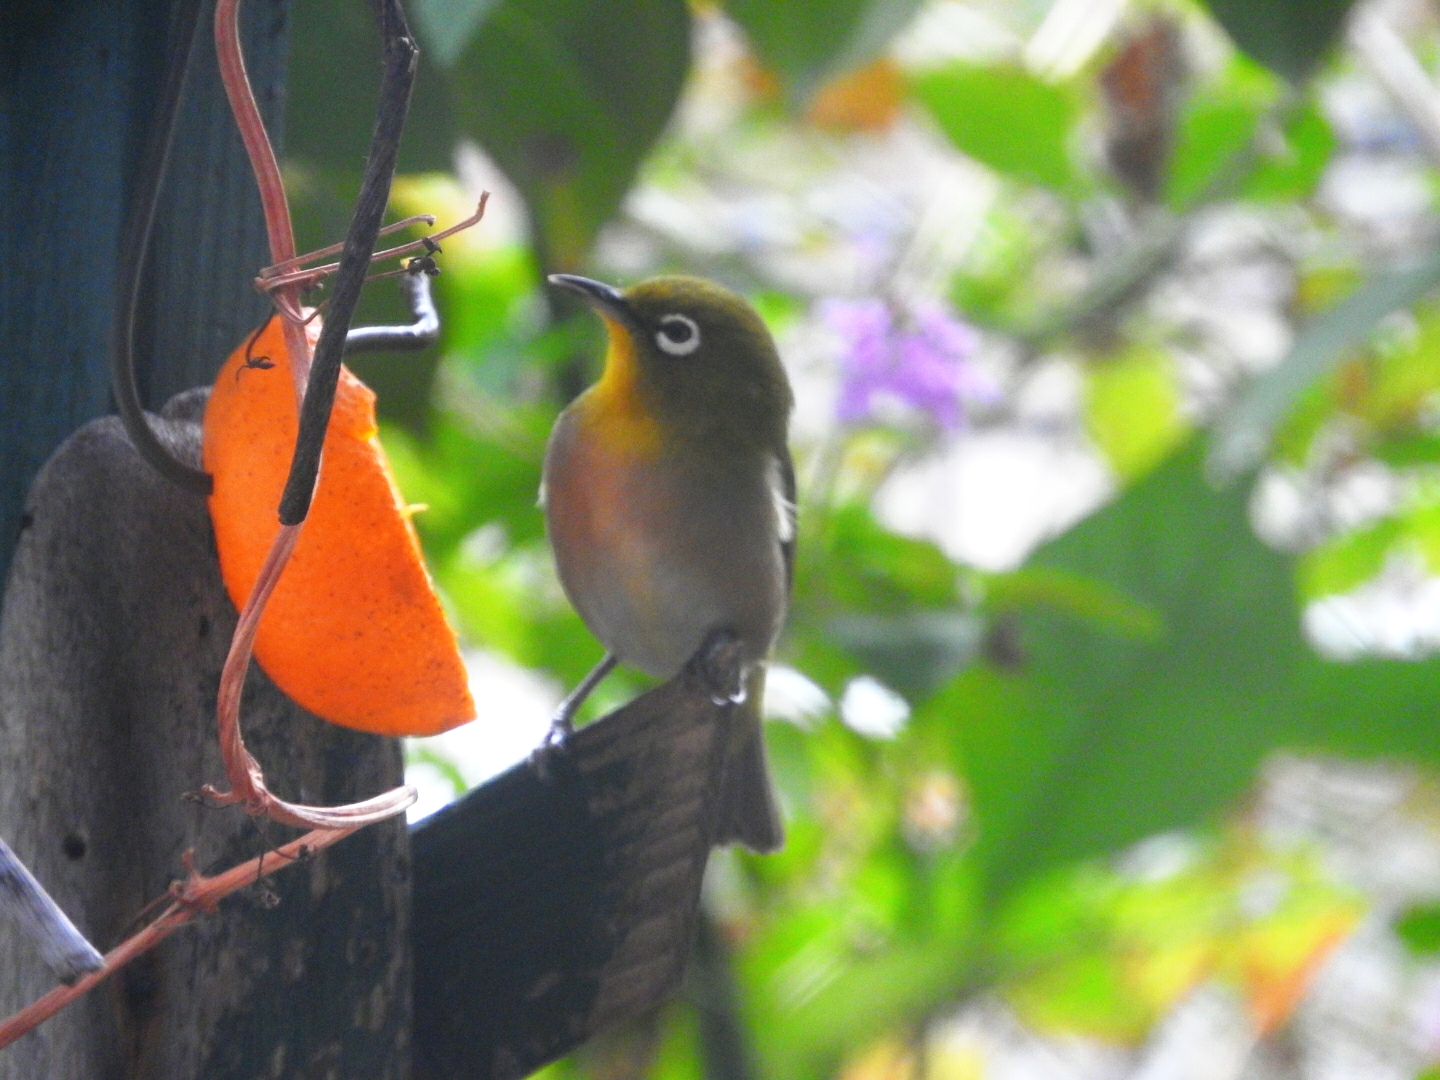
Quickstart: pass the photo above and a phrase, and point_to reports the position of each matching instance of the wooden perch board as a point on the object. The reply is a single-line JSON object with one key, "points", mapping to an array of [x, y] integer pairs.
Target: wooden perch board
{"points": [[551, 904]]}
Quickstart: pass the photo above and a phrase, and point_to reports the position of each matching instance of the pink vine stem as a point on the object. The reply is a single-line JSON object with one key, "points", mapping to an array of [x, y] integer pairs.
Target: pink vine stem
{"points": [[267, 175], [247, 780]]}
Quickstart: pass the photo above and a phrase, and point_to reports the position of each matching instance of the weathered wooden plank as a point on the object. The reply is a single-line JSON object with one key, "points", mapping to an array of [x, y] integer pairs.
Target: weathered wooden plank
{"points": [[112, 636]]}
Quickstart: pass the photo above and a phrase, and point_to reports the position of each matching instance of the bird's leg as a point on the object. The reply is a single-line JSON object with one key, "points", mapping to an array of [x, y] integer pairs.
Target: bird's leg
{"points": [[562, 725]]}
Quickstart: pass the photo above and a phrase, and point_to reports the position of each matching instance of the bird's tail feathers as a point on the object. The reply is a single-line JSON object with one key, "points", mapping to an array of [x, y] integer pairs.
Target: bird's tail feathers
{"points": [[747, 811]]}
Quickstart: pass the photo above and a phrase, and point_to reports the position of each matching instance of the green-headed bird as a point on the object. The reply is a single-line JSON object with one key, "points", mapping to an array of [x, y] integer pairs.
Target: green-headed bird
{"points": [[669, 498]]}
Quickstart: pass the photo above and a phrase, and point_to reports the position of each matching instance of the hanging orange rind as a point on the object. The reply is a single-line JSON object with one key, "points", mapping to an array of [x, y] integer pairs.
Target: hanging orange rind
{"points": [[354, 631]]}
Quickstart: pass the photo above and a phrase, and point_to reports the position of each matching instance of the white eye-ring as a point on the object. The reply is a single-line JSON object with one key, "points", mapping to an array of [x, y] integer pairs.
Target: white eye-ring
{"points": [[678, 335]]}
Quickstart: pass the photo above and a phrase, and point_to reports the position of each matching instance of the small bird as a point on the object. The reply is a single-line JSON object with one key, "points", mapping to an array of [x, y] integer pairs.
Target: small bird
{"points": [[669, 499]]}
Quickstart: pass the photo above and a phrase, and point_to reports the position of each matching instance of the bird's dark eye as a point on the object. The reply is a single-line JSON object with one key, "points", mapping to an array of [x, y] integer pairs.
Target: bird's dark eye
{"points": [[678, 335]]}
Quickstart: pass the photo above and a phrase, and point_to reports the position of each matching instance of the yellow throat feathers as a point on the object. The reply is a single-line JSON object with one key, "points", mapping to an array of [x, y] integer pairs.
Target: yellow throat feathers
{"points": [[616, 410]]}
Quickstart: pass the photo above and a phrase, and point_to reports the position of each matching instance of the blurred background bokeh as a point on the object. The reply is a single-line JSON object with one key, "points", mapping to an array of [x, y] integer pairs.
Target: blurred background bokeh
{"points": [[1107, 717]]}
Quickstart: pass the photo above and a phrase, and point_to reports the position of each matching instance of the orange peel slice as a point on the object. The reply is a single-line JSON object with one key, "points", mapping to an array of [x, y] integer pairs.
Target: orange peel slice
{"points": [[354, 631]]}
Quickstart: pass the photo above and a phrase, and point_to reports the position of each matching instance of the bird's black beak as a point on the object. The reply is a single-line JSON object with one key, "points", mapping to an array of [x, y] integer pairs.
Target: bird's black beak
{"points": [[606, 299]]}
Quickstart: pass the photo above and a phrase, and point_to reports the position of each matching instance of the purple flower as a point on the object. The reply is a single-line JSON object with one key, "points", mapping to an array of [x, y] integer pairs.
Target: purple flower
{"points": [[919, 359]]}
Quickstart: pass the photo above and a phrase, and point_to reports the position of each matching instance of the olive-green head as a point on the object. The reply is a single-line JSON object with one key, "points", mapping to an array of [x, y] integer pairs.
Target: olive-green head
{"points": [[695, 353]]}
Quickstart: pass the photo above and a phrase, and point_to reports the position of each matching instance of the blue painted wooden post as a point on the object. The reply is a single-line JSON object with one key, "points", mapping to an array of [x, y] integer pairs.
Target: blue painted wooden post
{"points": [[77, 82]]}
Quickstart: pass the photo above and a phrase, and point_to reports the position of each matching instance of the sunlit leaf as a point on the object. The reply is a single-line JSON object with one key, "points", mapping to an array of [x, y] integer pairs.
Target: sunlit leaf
{"points": [[1216, 124], [1422, 527], [866, 99], [1086, 994], [1132, 410], [1006, 118], [1293, 170], [1279, 958], [1338, 565], [1404, 378], [889, 1058]]}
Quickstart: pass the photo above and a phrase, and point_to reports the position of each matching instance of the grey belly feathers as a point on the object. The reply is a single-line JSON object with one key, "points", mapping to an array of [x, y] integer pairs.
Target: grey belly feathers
{"points": [[654, 554]]}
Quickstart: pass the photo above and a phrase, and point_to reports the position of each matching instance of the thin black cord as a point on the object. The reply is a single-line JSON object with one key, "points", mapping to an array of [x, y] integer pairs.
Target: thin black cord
{"points": [[422, 332], [135, 244], [400, 58]]}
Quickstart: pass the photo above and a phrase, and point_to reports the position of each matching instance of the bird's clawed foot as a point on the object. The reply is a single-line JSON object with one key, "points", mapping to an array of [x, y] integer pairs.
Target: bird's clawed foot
{"points": [[562, 724], [720, 663], [551, 748]]}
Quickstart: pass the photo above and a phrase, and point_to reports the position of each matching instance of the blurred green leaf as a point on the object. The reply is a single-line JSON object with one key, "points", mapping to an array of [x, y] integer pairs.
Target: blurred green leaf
{"points": [[417, 753], [1288, 36], [1422, 527], [1087, 993], [855, 574], [915, 653], [1419, 929], [1006, 118], [446, 26], [996, 287], [331, 92], [1058, 590], [850, 561], [1293, 171], [1217, 123], [1348, 560], [1403, 378], [1351, 558], [1106, 953], [1314, 408], [859, 1000], [466, 479], [1244, 433], [1132, 410], [1098, 740], [568, 96], [679, 1055], [1406, 450], [809, 41]]}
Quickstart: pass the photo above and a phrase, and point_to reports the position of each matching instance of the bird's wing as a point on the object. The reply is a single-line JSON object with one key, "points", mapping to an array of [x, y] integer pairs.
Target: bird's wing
{"points": [[782, 489]]}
